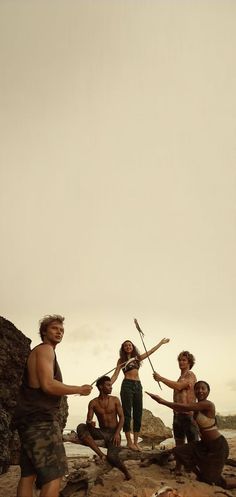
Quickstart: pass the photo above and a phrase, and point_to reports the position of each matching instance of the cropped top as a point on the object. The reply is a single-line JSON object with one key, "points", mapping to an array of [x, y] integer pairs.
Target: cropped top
{"points": [[204, 422], [132, 364]]}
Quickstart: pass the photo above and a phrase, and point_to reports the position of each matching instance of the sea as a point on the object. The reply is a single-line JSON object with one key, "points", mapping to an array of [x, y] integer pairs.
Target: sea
{"points": [[76, 450]]}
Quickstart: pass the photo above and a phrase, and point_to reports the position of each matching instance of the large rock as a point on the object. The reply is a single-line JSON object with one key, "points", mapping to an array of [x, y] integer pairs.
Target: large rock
{"points": [[14, 350], [153, 429]]}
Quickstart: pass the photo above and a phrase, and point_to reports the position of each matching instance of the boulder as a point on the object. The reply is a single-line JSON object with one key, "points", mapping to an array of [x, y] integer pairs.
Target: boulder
{"points": [[153, 430], [14, 350]]}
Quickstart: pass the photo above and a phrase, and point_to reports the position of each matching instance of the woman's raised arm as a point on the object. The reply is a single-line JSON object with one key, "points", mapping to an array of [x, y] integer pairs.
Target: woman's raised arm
{"points": [[149, 352]]}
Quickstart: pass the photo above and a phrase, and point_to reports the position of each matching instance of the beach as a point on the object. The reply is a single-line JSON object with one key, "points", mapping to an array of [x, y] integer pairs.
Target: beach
{"points": [[144, 482]]}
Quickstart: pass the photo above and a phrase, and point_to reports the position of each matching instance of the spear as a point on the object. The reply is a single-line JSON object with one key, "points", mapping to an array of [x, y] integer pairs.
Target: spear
{"points": [[123, 364], [141, 336]]}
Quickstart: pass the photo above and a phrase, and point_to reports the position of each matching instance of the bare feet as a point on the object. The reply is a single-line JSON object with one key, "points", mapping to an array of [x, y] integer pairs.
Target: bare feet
{"points": [[138, 447], [100, 459], [132, 446], [178, 472], [126, 473], [103, 458]]}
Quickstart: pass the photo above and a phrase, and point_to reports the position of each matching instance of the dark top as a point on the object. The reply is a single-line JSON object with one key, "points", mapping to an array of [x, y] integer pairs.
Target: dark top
{"points": [[34, 404], [135, 364]]}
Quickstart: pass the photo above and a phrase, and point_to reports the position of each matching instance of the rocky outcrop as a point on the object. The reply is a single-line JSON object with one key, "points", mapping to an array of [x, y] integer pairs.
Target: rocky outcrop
{"points": [[14, 350], [226, 422], [153, 429]]}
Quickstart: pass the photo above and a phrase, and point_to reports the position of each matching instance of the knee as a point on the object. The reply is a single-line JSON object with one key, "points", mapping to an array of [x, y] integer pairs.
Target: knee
{"points": [[112, 458], [81, 430]]}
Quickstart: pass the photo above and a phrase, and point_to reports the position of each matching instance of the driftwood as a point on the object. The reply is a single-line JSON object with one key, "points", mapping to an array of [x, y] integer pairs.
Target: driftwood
{"points": [[87, 474], [84, 478]]}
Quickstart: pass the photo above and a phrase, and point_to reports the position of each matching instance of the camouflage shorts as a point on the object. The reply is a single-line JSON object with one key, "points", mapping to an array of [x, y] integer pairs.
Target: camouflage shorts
{"points": [[42, 452]]}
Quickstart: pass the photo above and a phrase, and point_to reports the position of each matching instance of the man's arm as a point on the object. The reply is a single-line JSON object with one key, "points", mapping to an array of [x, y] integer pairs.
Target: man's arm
{"points": [[116, 372], [120, 415], [175, 385], [45, 374], [90, 412]]}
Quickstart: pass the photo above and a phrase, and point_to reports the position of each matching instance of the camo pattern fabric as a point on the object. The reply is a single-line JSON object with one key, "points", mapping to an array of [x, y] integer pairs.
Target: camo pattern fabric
{"points": [[42, 452]]}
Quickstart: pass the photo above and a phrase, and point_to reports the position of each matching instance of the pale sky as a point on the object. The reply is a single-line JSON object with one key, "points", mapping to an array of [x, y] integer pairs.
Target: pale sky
{"points": [[118, 179]]}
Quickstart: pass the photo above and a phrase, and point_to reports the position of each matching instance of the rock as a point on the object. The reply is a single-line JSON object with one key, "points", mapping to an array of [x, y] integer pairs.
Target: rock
{"points": [[167, 444], [14, 350], [153, 429]]}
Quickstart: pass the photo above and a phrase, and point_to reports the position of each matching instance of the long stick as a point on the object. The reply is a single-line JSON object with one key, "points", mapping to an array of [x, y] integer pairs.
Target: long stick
{"points": [[123, 364], [141, 336]]}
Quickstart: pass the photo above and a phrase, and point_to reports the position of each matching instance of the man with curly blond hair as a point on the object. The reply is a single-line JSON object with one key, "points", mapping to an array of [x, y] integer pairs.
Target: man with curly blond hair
{"points": [[184, 426]]}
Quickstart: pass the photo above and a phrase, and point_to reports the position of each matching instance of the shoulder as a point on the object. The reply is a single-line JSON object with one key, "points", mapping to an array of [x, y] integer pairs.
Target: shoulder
{"points": [[44, 349], [206, 407], [114, 399], [209, 403], [93, 402], [189, 375], [192, 377]]}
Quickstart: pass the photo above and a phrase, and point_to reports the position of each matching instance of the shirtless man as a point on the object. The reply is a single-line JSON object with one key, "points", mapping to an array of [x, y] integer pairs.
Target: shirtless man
{"points": [[36, 417], [184, 425], [110, 417]]}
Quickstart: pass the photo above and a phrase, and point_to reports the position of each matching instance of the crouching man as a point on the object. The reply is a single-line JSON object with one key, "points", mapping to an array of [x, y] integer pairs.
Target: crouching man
{"points": [[109, 413]]}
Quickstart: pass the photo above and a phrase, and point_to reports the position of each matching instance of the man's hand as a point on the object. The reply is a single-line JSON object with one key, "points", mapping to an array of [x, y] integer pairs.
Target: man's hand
{"points": [[157, 376], [85, 389], [117, 439], [91, 423]]}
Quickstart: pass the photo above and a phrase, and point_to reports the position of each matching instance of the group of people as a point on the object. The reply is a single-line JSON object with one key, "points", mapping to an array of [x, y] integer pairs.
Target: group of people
{"points": [[43, 458]]}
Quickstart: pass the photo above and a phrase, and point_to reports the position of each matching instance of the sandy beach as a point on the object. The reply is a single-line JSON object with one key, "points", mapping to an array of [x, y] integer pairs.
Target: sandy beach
{"points": [[144, 482]]}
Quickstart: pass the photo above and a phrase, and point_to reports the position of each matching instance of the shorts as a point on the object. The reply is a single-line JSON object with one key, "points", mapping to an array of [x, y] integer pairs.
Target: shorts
{"points": [[42, 452], [184, 426]]}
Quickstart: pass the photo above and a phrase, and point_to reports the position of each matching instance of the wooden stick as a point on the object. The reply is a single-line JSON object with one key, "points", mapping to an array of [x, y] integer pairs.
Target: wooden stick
{"points": [[141, 336]]}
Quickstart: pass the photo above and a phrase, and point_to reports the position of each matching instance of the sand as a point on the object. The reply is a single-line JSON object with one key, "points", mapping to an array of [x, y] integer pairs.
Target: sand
{"points": [[144, 483]]}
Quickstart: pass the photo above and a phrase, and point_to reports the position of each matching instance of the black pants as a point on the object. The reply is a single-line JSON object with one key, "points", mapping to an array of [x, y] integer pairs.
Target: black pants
{"points": [[132, 402], [105, 434], [206, 459]]}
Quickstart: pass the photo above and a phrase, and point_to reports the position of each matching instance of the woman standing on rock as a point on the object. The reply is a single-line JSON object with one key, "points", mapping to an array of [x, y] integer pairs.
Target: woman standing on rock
{"points": [[131, 388], [206, 458]]}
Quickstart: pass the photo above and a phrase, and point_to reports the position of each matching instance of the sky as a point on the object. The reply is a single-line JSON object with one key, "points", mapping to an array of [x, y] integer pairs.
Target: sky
{"points": [[117, 173]]}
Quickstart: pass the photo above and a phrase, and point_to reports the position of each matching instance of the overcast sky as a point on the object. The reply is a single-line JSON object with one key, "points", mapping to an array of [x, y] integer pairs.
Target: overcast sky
{"points": [[118, 179]]}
